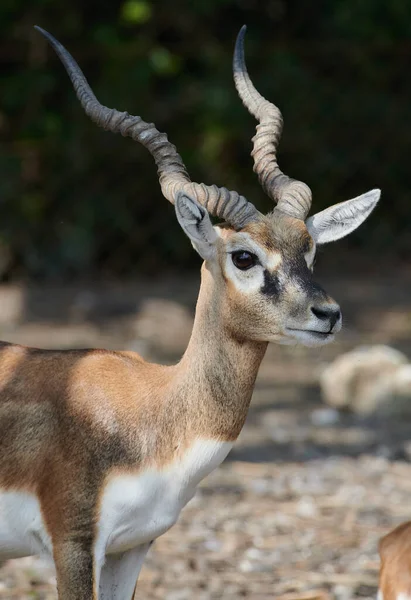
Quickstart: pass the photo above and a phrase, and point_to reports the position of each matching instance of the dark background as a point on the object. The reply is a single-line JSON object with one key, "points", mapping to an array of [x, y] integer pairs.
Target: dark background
{"points": [[77, 202]]}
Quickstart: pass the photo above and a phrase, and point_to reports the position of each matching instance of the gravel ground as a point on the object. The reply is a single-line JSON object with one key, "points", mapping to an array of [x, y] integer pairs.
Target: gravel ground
{"points": [[296, 511], [289, 531]]}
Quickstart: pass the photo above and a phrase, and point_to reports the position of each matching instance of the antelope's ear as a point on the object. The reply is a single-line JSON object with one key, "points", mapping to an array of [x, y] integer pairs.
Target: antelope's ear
{"points": [[196, 224], [341, 219]]}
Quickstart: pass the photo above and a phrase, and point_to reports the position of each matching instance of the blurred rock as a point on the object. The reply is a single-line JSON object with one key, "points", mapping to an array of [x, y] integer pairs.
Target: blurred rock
{"points": [[406, 448], [324, 416], [165, 325], [11, 305], [367, 380]]}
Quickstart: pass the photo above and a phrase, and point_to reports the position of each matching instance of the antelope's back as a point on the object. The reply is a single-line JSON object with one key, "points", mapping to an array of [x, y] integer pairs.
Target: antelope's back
{"points": [[395, 571]]}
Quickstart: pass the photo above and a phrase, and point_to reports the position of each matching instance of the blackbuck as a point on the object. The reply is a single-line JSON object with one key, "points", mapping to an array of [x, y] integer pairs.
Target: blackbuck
{"points": [[395, 569], [101, 450]]}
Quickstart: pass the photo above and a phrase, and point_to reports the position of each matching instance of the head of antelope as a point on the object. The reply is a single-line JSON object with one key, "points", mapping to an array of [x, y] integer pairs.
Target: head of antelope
{"points": [[261, 264]]}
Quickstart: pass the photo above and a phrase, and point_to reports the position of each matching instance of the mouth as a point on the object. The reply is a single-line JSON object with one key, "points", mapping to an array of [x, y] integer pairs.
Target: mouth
{"points": [[310, 337]]}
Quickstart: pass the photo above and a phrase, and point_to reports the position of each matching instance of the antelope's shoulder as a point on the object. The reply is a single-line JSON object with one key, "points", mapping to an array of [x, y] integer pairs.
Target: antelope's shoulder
{"points": [[122, 382]]}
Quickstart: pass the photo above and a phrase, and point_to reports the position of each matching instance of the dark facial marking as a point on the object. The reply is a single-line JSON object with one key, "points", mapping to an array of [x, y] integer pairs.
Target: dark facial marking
{"points": [[300, 271], [271, 287]]}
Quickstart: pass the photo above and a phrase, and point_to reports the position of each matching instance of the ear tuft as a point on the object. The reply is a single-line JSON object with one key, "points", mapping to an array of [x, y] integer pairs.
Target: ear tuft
{"points": [[339, 220], [196, 223]]}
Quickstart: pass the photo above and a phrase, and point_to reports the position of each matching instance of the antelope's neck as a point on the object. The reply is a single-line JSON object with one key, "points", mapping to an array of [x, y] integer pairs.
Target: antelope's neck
{"points": [[218, 369]]}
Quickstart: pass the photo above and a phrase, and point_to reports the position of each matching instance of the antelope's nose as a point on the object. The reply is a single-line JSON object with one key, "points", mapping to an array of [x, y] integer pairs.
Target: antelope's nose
{"points": [[327, 312]]}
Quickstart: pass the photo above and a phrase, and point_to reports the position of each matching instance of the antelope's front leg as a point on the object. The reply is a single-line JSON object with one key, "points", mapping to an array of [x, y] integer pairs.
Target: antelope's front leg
{"points": [[120, 572], [75, 570]]}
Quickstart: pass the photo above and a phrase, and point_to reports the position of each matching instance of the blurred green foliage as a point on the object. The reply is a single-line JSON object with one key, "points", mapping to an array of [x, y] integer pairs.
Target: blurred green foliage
{"points": [[76, 201]]}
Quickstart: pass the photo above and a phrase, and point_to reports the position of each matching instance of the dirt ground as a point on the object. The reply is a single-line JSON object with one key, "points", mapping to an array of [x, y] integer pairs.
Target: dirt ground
{"points": [[296, 510]]}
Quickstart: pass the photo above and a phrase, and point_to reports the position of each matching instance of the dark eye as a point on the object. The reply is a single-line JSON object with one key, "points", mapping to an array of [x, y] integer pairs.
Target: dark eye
{"points": [[244, 260]]}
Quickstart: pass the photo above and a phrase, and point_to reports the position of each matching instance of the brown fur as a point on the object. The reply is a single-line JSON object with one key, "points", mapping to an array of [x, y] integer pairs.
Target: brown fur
{"points": [[395, 570], [277, 233]]}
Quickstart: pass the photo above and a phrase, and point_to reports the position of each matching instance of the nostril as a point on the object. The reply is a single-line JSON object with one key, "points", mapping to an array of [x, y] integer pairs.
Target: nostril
{"points": [[320, 313], [328, 313]]}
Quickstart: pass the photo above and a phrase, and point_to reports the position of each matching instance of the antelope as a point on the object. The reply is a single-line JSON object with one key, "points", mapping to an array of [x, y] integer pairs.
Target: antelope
{"points": [[395, 570], [101, 450]]}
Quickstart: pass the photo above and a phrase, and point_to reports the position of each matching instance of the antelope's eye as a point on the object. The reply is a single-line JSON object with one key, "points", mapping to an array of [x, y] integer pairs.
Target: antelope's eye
{"points": [[244, 260]]}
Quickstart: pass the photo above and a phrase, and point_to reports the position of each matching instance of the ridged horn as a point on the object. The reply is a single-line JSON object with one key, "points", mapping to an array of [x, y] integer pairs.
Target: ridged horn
{"points": [[173, 176], [293, 197]]}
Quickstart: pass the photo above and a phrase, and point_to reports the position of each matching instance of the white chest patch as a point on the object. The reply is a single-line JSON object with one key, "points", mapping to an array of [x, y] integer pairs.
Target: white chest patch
{"points": [[136, 509]]}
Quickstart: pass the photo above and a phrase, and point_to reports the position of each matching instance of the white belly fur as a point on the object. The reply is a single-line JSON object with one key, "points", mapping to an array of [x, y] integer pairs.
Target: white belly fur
{"points": [[22, 530], [134, 508]]}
